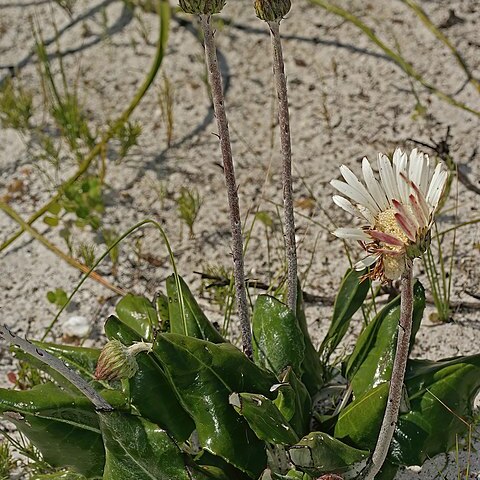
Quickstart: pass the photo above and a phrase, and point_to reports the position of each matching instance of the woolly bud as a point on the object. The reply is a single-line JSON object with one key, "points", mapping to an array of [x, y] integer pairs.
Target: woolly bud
{"points": [[202, 6], [272, 10], [116, 361]]}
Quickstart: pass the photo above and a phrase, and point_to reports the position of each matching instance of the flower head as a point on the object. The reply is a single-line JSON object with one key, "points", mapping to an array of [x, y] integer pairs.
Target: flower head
{"points": [[116, 361], [272, 10], [399, 209], [202, 6]]}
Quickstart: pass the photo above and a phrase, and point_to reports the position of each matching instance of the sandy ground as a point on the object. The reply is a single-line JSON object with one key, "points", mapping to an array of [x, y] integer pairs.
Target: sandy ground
{"points": [[347, 100]]}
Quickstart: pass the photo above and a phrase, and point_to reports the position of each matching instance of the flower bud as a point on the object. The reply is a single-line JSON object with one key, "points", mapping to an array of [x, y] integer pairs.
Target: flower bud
{"points": [[116, 361], [202, 6], [272, 10]]}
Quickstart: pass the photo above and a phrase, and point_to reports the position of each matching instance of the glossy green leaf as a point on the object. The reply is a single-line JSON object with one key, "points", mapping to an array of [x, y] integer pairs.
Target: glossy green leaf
{"points": [[216, 468], [351, 295], [64, 427], [372, 359], [140, 450], [441, 395], [163, 313], [277, 338], [264, 418], [151, 391], [359, 422], [81, 359], [63, 475], [139, 314], [312, 367], [196, 323], [291, 475], [294, 401], [319, 453], [205, 374]]}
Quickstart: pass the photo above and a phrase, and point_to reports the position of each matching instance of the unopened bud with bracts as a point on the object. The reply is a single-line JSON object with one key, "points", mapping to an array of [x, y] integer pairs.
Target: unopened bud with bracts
{"points": [[116, 361], [199, 7], [272, 10]]}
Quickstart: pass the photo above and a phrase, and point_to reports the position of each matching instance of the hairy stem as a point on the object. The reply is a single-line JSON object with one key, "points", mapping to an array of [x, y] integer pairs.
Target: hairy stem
{"points": [[285, 140], [54, 249], [55, 363], [215, 79], [164, 15], [398, 374]]}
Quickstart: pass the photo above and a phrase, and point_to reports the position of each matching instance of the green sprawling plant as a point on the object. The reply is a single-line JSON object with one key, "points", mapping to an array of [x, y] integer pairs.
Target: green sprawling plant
{"points": [[169, 397]]}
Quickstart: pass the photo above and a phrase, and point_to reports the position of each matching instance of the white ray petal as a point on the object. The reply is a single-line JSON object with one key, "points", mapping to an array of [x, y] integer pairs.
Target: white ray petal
{"points": [[401, 173], [423, 185], [387, 177], [436, 187], [354, 182], [366, 262], [434, 183], [352, 193], [352, 234], [346, 205], [373, 186], [415, 166]]}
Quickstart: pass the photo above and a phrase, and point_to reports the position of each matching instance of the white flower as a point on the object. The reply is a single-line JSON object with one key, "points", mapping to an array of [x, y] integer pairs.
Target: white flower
{"points": [[399, 210]]}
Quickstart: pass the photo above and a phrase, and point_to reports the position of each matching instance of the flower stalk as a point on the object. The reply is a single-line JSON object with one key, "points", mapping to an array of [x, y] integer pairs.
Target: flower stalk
{"points": [[398, 375], [216, 85], [272, 12]]}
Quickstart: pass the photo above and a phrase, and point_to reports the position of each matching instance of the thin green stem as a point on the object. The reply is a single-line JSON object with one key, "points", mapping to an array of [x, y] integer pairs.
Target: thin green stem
{"points": [[398, 59], [107, 252], [425, 19], [164, 16]]}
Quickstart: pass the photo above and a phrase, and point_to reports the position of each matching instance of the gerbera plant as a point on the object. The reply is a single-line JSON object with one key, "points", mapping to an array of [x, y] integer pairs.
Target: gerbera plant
{"points": [[169, 397], [399, 210]]}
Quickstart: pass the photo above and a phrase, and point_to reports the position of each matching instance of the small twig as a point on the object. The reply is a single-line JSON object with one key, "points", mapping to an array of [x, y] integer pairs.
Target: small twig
{"points": [[54, 249], [229, 171], [396, 382], [57, 364], [285, 140]]}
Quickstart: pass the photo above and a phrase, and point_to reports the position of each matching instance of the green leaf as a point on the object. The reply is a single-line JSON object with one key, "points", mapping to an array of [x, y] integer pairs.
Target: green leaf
{"points": [[351, 295], [264, 418], [196, 324], [54, 208], [139, 314], [151, 391], [441, 396], [64, 427], [51, 221], [137, 449], [319, 453], [63, 475], [163, 313], [371, 362], [58, 297], [81, 359], [359, 422], [277, 338], [312, 367], [294, 401], [205, 374]]}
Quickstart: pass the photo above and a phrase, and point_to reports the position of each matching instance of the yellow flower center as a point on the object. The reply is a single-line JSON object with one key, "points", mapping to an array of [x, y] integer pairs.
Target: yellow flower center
{"points": [[386, 222]]}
